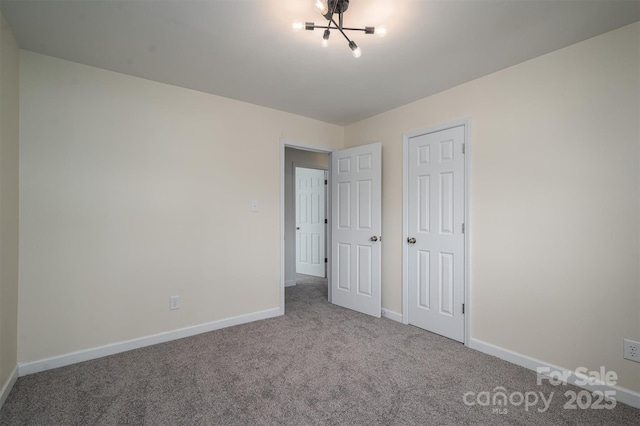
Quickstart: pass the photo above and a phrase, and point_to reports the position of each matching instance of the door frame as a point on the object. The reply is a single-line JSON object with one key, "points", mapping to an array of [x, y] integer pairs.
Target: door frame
{"points": [[326, 209], [286, 143], [467, 219]]}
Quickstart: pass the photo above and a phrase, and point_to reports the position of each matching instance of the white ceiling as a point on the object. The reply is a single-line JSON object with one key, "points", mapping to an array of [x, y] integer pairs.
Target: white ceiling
{"points": [[246, 49]]}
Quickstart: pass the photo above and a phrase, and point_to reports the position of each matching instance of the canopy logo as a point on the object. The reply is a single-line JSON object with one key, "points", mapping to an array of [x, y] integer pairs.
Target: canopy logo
{"points": [[499, 399]]}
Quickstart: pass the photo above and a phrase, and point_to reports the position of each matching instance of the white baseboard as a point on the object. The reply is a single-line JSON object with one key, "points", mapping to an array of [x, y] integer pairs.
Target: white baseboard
{"points": [[392, 315], [114, 348], [8, 385], [290, 283], [626, 396]]}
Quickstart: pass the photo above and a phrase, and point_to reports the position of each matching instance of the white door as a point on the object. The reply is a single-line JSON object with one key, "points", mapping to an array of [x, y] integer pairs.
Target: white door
{"points": [[356, 228], [435, 230], [310, 222]]}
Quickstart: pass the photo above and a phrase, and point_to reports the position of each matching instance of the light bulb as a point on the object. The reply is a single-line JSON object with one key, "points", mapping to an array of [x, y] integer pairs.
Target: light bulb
{"points": [[325, 38], [381, 31], [356, 52], [297, 26], [322, 7]]}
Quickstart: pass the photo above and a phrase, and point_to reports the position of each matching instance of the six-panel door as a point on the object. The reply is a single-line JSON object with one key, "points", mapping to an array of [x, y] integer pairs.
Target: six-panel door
{"points": [[435, 220], [310, 226], [356, 228]]}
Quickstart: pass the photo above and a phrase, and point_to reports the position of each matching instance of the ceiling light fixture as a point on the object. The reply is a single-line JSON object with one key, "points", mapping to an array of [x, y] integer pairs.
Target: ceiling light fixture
{"points": [[329, 8]]}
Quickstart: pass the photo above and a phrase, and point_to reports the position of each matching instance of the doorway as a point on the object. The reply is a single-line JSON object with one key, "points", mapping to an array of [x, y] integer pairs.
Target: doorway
{"points": [[296, 156], [354, 224]]}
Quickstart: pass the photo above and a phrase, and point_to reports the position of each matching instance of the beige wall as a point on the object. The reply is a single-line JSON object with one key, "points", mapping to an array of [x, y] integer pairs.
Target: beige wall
{"points": [[133, 191], [554, 201], [9, 107], [295, 158]]}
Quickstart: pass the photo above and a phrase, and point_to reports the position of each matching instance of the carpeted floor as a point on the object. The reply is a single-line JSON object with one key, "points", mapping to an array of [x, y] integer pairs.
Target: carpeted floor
{"points": [[318, 364]]}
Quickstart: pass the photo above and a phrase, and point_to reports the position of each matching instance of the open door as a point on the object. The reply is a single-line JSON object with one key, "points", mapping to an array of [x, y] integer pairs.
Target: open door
{"points": [[356, 187]]}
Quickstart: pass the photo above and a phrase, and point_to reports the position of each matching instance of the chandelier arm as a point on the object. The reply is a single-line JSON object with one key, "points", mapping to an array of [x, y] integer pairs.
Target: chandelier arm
{"points": [[329, 27], [325, 27], [340, 29], [354, 29]]}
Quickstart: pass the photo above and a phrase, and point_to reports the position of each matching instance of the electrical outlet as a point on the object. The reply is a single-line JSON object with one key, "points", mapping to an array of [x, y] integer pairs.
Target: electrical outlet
{"points": [[174, 303], [631, 350]]}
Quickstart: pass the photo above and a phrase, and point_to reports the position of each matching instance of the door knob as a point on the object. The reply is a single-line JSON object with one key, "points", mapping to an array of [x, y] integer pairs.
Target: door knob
{"points": [[298, 228], [411, 240], [374, 238]]}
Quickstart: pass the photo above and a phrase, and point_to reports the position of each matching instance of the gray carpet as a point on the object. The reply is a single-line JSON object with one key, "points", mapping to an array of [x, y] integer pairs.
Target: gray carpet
{"points": [[318, 364]]}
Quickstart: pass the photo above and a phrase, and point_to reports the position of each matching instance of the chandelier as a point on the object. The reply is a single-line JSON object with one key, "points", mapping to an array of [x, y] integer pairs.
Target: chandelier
{"points": [[330, 8]]}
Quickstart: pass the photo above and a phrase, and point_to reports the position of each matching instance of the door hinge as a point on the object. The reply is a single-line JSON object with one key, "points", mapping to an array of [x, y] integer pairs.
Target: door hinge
{"points": [[325, 260], [325, 221], [463, 146], [326, 181], [463, 308], [463, 228]]}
